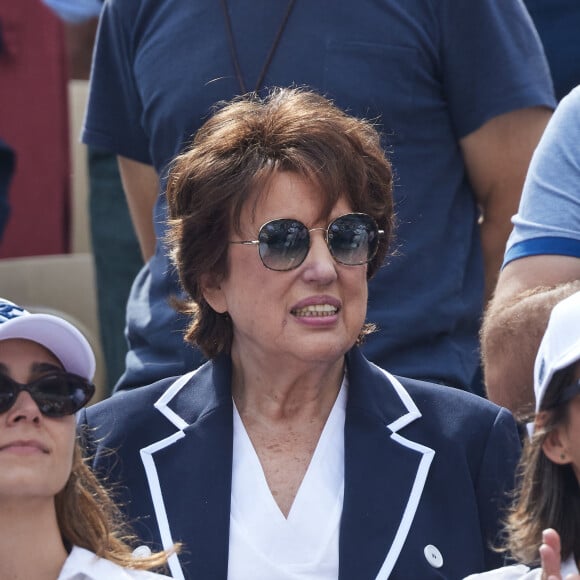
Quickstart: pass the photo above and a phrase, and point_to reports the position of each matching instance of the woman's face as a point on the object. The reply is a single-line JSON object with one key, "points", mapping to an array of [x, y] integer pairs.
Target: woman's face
{"points": [[273, 313], [569, 435], [36, 452]]}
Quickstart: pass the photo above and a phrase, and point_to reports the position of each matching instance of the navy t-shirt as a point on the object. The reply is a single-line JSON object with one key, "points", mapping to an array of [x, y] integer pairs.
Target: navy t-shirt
{"points": [[431, 72], [558, 23]]}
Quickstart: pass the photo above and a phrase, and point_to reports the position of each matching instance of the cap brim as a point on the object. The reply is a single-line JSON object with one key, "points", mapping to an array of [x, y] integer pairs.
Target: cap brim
{"points": [[58, 336], [569, 357]]}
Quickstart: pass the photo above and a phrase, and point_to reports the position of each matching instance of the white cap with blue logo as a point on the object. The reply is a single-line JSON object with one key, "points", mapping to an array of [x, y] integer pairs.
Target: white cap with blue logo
{"points": [[55, 334], [560, 346]]}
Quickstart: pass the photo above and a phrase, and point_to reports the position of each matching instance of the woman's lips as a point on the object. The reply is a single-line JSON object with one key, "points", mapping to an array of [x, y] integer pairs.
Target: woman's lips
{"points": [[25, 446], [321, 306], [315, 310]]}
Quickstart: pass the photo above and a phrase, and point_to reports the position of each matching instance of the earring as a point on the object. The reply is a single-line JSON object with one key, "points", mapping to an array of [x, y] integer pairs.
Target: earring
{"points": [[562, 456]]}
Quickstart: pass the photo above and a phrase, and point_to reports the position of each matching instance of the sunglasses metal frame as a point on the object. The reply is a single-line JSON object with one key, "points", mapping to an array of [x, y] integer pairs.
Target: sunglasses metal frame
{"points": [[86, 386], [326, 231]]}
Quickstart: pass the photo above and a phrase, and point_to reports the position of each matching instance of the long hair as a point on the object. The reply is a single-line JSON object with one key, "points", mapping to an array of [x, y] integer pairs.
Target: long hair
{"points": [[89, 518], [547, 495], [235, 153]]}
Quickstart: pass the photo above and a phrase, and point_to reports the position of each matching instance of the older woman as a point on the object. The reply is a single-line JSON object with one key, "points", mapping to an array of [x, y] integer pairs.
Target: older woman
{"points": [[288, 455], [56, 521]]}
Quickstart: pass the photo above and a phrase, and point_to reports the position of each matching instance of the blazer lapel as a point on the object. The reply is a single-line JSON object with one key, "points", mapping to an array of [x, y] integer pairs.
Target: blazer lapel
{"points": [[189, 471], [385, 473]]}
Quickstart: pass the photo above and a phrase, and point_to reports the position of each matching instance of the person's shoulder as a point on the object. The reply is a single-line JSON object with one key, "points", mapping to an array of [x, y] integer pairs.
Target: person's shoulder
{"points": [[422, 392], [145, 409], [427, 394], [448, 411], [111, 421], [132, 399]]}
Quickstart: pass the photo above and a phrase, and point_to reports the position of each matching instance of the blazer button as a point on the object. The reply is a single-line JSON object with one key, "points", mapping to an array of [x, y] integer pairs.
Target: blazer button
{"points": [[433, 556]]}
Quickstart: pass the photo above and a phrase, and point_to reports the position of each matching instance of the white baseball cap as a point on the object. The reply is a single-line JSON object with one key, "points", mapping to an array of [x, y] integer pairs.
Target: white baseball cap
{"points": [[55, 334], [560, 346]]}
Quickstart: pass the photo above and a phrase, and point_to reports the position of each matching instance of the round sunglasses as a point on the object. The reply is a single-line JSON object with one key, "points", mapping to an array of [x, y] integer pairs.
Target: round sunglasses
{"points": [[56, 394], [283, 244]]}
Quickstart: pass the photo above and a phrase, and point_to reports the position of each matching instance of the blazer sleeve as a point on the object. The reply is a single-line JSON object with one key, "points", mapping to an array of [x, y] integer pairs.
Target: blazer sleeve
{"points": [[496, 480]]}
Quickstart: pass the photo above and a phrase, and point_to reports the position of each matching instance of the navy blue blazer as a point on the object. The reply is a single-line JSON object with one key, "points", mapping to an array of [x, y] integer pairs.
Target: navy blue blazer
{"points": [[426, 471]]}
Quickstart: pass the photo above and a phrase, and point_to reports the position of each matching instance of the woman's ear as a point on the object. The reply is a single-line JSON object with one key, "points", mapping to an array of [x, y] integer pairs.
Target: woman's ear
{"points": [[554, 447], [213, 293]]}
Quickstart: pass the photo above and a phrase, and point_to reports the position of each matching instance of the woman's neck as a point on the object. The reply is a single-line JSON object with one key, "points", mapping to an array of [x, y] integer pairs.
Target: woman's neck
{"points": [[30, 542], [284, 411], [286, 392]]}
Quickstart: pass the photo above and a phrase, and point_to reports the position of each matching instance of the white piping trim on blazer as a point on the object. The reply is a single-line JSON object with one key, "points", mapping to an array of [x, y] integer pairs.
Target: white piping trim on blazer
{"points": [[420, 478], [163, 401], [151, 471]]}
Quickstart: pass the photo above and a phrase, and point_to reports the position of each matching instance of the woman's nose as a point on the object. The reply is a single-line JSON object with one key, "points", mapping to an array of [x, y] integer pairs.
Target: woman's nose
{"points": [[24, 409], [319, 265]]}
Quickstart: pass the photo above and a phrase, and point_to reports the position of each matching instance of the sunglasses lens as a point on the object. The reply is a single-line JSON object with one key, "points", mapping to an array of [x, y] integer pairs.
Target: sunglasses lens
{"points": [[353, 239], [61, 394], [7, 393], [284, 244]]}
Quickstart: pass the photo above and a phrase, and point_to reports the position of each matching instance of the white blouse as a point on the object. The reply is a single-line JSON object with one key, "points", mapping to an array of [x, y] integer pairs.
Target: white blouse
{"points": [[83, 564], [263, 543]]}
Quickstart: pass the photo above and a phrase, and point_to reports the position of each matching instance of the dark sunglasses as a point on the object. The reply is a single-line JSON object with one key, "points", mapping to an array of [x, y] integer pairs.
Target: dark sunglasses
{"points": [[283, 244], [56, 394]]}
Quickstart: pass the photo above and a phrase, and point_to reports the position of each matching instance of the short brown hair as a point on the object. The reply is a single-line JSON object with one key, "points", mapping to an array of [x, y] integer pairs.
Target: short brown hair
{"points": [[234, 154]]}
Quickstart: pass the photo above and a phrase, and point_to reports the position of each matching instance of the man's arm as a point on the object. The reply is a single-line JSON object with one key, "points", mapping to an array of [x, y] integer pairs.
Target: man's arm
{"points": [[497, 156], [515, 321], [141, 185]]}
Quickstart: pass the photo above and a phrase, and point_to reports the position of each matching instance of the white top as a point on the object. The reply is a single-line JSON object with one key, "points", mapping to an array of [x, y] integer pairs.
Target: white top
{"points": [[521, 572], [263, 543], [82, 564]]}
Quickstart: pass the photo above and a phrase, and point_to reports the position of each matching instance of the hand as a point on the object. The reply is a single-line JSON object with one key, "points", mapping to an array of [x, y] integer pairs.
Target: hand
{"points": [[551, 557]]}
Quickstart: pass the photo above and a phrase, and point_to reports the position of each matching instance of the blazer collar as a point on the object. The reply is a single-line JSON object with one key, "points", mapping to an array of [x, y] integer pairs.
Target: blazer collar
{"points": [[385, 472], [189, 471]]}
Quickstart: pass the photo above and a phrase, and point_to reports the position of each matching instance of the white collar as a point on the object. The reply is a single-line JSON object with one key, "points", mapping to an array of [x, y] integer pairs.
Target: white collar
{"points": [[83, 564]]}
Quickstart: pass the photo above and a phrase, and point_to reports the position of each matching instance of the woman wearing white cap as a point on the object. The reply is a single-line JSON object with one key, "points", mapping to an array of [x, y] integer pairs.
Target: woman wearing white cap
{"points": [[56, 521], [543, 526]]}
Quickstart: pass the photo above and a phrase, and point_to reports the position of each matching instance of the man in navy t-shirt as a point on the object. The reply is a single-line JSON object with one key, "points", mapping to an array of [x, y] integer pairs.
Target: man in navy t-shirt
{"points": [[461, 91]]}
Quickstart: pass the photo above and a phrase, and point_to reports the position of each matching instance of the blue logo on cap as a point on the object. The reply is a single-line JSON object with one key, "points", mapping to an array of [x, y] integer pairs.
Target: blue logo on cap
{"points": [[10, 311], [542, 370]]}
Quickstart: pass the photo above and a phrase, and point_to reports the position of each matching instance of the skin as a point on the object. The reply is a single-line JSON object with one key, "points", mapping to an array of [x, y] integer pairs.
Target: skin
{"points": [[36, 455], [550, 557], [141, 186], [288, 367], [497, 156], [515, 321], [561, 445]]}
